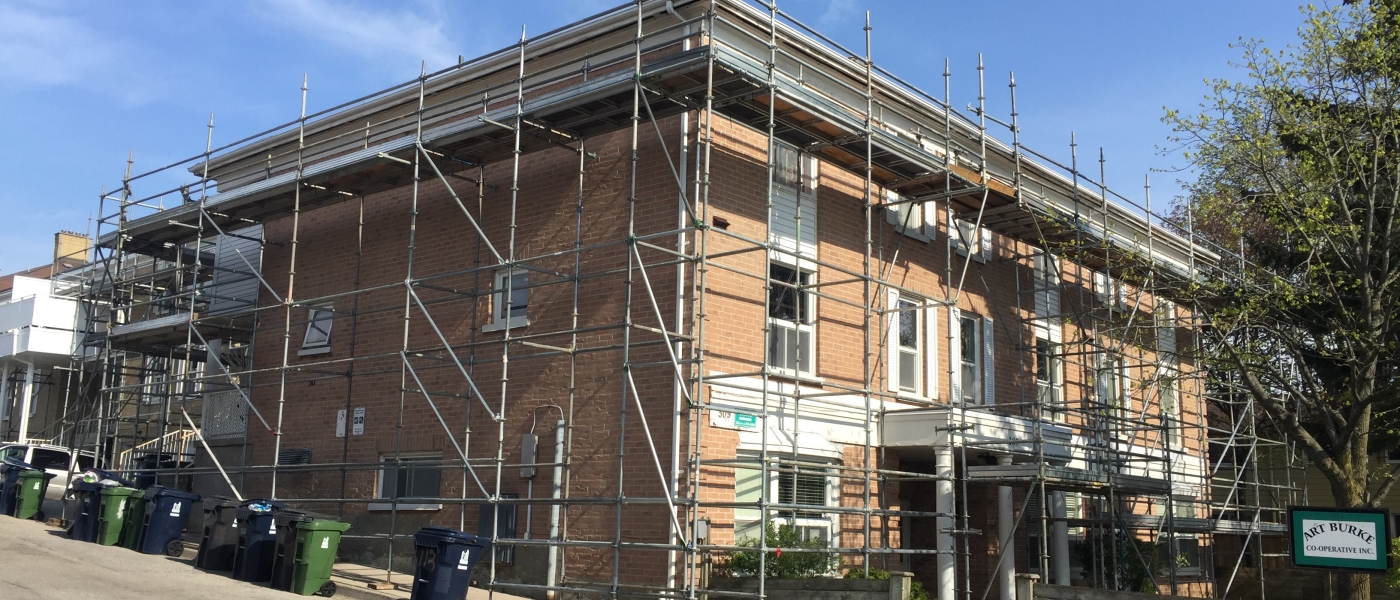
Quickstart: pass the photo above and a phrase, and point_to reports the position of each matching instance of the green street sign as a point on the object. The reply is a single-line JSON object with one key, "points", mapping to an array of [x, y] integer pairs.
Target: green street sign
{"points": [[1346, 539]]}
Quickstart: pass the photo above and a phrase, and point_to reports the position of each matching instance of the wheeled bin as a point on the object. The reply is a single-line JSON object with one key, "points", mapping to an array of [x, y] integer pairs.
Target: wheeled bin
{"points": [[285, 550], [219, 538], [10, 470], [446, 558], [29, 499], [87, 490], [166, 512], [111, 515], [317, 543], [133, 520], [257, 542]]}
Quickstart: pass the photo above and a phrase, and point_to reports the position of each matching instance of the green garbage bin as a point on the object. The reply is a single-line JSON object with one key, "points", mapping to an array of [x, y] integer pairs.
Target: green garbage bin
{"points": [[29, 498], [317, 542], [111, 517], [131, 522]]}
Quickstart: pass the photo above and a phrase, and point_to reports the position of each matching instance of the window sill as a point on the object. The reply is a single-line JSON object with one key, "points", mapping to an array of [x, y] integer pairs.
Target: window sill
{"points": [[387, 506], [913, 234], [912, 397], [314, 351], [499, 326]]}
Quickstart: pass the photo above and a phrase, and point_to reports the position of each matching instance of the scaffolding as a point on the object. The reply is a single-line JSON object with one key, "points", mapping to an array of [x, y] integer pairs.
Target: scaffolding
{"points": [[189, 280]]}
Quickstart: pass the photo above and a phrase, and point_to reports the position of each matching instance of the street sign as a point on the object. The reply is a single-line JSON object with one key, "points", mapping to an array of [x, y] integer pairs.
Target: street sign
{"points": [[1345, 539]]}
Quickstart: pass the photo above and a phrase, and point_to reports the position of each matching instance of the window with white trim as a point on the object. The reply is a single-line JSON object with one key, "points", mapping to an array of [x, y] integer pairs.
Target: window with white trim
{"points": [[791, 322], [1110, 292], [1171, 408], [914, 219], [513, 312], [804, 490], [1049, 378], [970, 358], [909, 344], [413, 480], [965, 237], [318, 330], [1112, 385]]}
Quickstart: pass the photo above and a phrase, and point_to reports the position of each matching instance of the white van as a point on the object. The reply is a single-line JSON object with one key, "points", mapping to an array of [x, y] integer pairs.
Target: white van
{"points": [[52, 459]]}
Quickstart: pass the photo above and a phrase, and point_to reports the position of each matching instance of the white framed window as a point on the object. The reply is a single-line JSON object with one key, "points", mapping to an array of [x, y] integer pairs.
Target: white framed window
{"points": [[512, 312], [914, 219], [1111, 382], [1049, 378], [909, 344], [409, 479], [792, 224], [803, 490], [965, 237], [974, 366], [1171, 408], [318, 330], [791, 321], [1110, 292], [794, 169]]}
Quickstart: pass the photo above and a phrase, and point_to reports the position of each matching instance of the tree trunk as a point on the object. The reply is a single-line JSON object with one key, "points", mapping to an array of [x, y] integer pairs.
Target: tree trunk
{"points": [[1352, 586]]}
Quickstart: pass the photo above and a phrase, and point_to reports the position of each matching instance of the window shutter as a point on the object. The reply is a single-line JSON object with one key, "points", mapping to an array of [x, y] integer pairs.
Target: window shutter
{"points": [[986, 246], [989, 394], [954, 355], [930, 221], [892, 342], [931, 352]]}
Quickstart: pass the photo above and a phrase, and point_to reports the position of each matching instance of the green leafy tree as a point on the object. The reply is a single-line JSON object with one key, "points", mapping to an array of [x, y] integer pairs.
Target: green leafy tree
{"points": [[1299, 170], [779, 564]]}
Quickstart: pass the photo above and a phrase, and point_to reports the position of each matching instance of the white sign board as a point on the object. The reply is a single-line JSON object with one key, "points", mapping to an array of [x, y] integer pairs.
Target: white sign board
{"points": [[358, 426]]}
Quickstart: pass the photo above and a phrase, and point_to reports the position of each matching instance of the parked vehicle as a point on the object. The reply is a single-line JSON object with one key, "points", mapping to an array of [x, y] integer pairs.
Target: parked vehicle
{"points": [[52, 459]]}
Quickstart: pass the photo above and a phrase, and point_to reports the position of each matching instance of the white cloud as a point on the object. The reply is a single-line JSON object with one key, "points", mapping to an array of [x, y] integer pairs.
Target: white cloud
{"points": [[836, 12], [392, 38], [42, 47]]}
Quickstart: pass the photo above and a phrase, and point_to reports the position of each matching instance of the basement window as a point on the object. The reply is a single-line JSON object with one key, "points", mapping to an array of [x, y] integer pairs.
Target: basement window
{"points": [[414, 480], [318, 331], [509, 310]]}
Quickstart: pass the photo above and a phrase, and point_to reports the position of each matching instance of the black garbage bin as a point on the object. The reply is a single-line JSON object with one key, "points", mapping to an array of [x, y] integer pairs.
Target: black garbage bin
{"points": [[257, 541], [87, 491], [446, 558], [220, 534], [9, 479], [285, 546], [166, 512]]}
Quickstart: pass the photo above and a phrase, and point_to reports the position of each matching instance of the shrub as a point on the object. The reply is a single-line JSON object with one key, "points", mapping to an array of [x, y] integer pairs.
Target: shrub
{"points": [[784, 565]]}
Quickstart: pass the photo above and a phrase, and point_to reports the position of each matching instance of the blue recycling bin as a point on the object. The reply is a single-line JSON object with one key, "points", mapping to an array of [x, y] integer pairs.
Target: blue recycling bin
{"points": [[87, 491], [166, 512], [446, 558], [257, 541], [9, 483]]}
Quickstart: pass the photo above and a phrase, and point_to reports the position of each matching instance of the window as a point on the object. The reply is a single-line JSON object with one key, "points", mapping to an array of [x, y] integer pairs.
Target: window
{"points": [[318, 331], [1171, 410], [1048, 378], [908, 217], [414, 478], [789, 168], [966, 238], [806, 487], [512, 313], [13, 452], [1111, 385], [909, 344], [56, 460], [970, 359], [790, 322], [792, 220], [1110, 292], [1186, 556]]}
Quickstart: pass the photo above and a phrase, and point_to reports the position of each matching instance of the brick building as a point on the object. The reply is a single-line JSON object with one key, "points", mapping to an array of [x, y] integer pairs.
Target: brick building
{"points": [[620, 295]]}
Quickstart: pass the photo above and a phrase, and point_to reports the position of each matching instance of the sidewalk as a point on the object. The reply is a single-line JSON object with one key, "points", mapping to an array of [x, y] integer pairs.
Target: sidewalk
{"points": [[353, 582]]}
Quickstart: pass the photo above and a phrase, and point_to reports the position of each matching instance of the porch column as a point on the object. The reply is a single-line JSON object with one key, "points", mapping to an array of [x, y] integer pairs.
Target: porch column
{"points": [[25, 403], [1006, 529], [945, 505], [1059, 539], [5, 390]]}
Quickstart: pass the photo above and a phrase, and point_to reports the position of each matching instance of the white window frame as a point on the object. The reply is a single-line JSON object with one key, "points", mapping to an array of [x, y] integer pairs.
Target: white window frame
{"points": [[1110, 292], [808, 357], [499, 321], [960, 229], [983, 390], [917, 220], [386, 462], [1169, 394], [316, 317], [746, 518], [907, 307], [1050, 390]]}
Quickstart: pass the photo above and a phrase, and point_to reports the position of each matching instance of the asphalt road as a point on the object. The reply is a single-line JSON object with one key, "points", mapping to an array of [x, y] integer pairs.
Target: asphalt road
{"points": [[38, 562]]}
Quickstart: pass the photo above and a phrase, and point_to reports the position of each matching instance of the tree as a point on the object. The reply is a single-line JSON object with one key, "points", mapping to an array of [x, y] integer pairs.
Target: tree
{"points": [[1298, 173]]}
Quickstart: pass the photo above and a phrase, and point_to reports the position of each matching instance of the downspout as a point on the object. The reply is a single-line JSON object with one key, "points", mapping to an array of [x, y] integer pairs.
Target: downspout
{"points": [[677, 395], [25, 403]]}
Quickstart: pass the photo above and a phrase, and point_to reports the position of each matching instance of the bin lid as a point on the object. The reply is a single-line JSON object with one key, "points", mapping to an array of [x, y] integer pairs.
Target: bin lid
{"points": [[433, 536], [36, 474], [322, 525], [15, 462], [118, 490], [157, 491], [212, 502]]}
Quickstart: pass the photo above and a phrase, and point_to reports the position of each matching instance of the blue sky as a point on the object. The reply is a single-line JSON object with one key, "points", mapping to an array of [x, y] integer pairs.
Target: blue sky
{"points": [[82, 83]]}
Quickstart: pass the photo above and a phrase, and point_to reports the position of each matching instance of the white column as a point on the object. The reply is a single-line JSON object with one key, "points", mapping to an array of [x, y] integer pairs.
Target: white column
{"points": [[1059, 539], [944, 503], [1006, 529], [27, 399]]}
